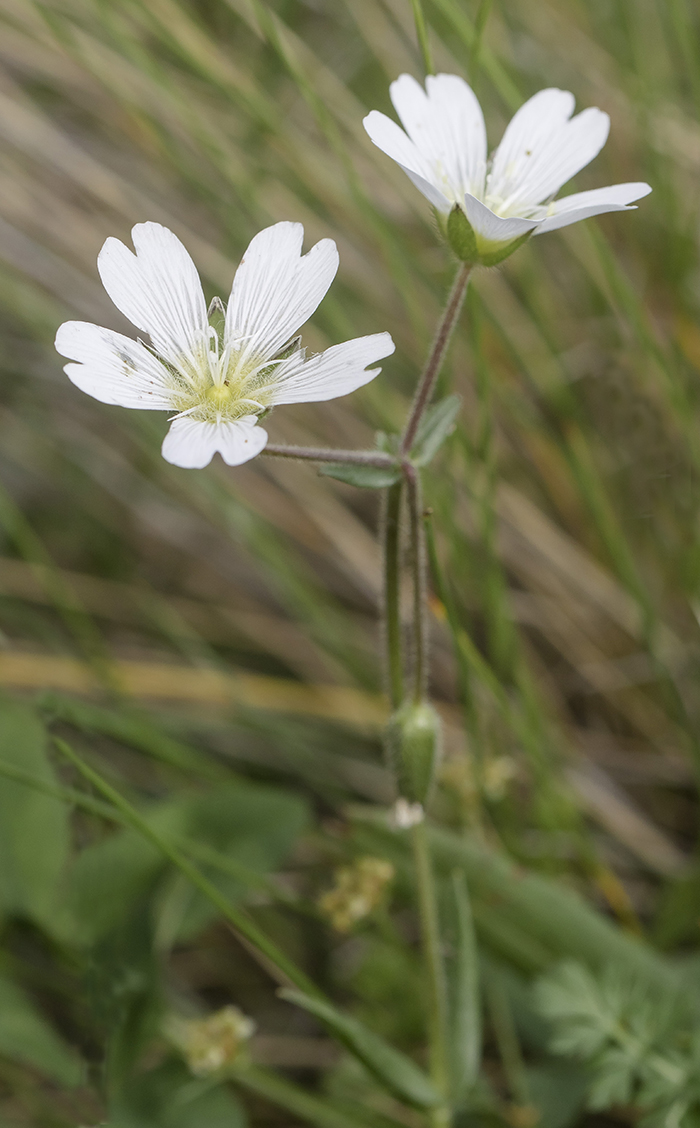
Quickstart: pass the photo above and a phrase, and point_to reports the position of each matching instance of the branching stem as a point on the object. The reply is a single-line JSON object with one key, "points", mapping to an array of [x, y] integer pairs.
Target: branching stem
{"points": [[321, 454]]}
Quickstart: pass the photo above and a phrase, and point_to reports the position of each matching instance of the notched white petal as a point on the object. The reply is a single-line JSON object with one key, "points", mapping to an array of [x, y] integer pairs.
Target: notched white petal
{"points": [[192, 444], [584, 205], [158, 289], [112, 368], [276, 289], [391, 139], [335, 372]]}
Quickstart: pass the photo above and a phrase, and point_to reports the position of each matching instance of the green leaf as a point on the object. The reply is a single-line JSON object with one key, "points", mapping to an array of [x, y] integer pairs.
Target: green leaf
{"points": [[435, 426], [26, 1037], [34, 828], [557, 1090], [466, 1002], [461, 237], [253, 824], [169, 1097], [366, 477], [394, 1070]]}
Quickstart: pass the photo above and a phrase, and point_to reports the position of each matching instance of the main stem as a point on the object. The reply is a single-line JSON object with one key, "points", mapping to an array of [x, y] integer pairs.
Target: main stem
{"points": [[420, 600], [431, 371], [392, 594], [437, 988]]}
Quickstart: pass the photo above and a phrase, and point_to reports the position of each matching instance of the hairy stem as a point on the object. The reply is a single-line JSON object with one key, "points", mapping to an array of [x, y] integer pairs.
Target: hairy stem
{"points": [[321, 454], [435, 970], [420, 595], [431, 371], [392, 593]]}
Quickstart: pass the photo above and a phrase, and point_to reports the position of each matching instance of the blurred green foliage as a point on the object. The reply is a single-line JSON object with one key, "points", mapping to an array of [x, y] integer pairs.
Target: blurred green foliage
{"points": [[208, 641]]}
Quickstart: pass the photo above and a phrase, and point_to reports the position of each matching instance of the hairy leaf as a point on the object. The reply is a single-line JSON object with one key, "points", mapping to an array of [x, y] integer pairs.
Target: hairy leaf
{"points": [[437, 423], [366, 477]]}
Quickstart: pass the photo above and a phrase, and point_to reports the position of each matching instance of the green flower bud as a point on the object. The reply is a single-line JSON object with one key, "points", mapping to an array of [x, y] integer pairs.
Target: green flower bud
{"points": [[469, 248], [413, 742]]}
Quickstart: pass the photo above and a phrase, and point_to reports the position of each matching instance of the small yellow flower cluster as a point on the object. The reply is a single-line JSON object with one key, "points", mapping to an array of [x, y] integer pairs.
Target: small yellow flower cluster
{"points": [[497, 774], [208, 1044], [358, 889]]}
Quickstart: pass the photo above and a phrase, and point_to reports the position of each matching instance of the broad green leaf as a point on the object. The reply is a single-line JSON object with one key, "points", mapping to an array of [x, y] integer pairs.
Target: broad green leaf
{"points": [[436, 425], [26, 1037], [169, 1097], [109, 878], [252, 824], [366, 477], [34, 829], [465, 1009], [394, 1070], [558, 1092]]}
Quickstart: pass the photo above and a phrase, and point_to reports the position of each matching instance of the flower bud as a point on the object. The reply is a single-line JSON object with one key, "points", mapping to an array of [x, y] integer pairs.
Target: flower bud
{"points": [[413, 741]]}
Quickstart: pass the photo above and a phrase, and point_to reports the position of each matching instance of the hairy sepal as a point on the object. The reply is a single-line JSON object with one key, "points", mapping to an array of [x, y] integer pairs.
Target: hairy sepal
{"points": [[462, 239]]}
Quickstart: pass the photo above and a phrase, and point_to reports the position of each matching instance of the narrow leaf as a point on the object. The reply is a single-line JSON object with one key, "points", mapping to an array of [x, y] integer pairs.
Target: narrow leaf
{"points": [[394, 1070], [366, 477], [436, 425], [466, 1009]]}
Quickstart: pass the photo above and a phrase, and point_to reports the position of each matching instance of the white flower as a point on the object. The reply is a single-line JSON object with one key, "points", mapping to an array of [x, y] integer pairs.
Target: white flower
{"points": [[444, 152], [217, 385]]}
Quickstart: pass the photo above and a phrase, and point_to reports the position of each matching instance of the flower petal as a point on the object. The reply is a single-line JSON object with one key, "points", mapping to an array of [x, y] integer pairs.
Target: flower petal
{"points": [[582, 205], [493, 230], [335, 372], [276, 288], [157, 288], [391, 139], [192, 444], [113, 368], [542, 149], [446, 125]]}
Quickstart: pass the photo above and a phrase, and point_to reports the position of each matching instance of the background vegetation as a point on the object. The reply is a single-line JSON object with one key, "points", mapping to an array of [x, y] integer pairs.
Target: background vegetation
{"points": [[209, 643]]}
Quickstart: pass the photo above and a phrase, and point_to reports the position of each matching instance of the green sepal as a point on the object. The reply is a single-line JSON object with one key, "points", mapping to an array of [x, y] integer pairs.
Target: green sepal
{"points": [[413, 743], [435, 426], [498, 256], [461, 237], [392, 1069], [366, 477], [462, 240]]}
